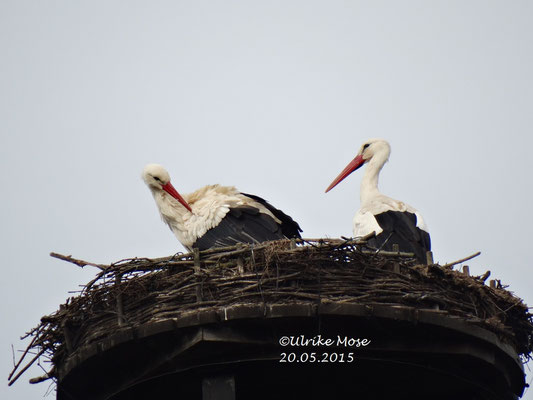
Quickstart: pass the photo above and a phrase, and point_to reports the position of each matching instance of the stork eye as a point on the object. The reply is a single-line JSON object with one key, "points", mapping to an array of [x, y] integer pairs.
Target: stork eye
{"points": [[157, 179], [366, 145]]}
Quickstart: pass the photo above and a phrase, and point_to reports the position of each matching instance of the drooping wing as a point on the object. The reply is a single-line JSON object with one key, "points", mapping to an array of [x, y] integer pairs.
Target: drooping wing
{"points": [[243, 224], [289, 227]]}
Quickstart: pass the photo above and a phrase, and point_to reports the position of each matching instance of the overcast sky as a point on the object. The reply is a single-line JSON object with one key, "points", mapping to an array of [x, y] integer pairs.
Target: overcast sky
{"points": [[273, 97]]}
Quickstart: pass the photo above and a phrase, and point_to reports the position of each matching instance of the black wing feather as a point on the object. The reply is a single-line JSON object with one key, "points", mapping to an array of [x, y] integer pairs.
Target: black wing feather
{"points": [[243, 224], [289, 227], [400, 228]]}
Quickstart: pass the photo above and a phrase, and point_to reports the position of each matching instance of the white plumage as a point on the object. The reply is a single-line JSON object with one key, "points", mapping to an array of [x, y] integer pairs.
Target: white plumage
{"points": [[392, 220], [215, 215]]}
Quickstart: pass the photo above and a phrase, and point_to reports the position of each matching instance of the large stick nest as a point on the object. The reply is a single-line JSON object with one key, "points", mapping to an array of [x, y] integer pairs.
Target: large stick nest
{"points": [[138, 291]]}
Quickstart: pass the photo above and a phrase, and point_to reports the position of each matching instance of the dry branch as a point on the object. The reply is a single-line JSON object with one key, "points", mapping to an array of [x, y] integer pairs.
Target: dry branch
{"points": [[449, 265], [79, 263], [35, 358]]}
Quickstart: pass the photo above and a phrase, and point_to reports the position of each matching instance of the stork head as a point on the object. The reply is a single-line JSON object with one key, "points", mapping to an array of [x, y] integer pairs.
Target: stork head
{"points": [[157, 178], [373, 149]]}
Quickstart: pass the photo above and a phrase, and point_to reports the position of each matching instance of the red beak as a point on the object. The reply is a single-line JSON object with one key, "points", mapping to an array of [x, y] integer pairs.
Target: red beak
{"points": [[356, 163], [174, 193]]}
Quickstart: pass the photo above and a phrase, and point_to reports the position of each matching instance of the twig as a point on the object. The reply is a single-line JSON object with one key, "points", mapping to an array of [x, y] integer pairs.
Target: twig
{"points": [[42, 378], [50, 389], [483, 277], [96, 279], [389, 253], [197, 269], [362, 239], [39, 354], [384, 243], [120, 303], [513, 305], [25, 352], [79, 263], [461, 260]]}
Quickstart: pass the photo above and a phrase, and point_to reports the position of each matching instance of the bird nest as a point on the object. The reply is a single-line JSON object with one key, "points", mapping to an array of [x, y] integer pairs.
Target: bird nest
{"points": [[138, 291]]}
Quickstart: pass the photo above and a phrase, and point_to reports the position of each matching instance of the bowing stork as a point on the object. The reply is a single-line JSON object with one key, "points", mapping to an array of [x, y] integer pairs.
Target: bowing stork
{"points": [[393, 221], [216, 216]]}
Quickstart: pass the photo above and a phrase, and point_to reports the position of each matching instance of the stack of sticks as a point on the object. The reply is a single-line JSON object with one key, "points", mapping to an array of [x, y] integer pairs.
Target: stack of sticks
{"points": [[137, 291]]}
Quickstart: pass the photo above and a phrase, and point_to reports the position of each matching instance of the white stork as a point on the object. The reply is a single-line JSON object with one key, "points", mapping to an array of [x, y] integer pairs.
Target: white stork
{"points": [[393, 221], [216, 216]]}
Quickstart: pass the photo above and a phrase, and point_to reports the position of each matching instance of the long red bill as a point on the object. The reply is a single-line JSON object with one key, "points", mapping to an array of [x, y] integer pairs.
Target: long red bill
{"points": [[354, 164], [174, 193]]}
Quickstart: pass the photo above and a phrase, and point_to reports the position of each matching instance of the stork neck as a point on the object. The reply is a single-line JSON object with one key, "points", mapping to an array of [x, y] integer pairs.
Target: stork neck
{"points": [[369, 183]]}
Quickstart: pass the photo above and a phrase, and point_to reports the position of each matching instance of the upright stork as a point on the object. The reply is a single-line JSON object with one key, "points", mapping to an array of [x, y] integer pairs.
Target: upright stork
{"points": [[393, 221], [216, 216]]}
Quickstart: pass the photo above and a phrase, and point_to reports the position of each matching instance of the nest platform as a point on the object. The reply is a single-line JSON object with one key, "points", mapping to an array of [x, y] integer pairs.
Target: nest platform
{"points": [[211, 324]]}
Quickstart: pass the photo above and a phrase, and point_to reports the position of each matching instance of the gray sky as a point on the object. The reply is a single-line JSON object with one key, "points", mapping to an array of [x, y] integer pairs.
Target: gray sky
{"points": [[272, 97]]}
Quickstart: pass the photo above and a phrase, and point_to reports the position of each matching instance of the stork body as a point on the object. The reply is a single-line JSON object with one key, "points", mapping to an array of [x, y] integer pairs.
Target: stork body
{"points": [[216, 216], [393, 221]]}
